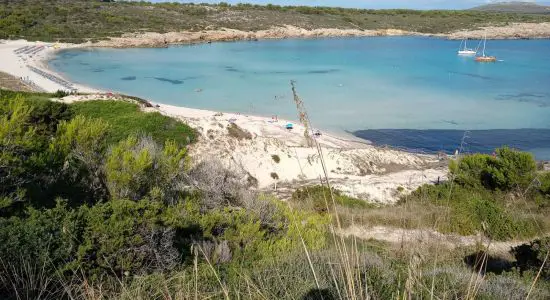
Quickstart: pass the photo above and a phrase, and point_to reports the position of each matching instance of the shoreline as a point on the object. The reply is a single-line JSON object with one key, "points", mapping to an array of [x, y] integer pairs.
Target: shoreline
{"points": [[358, 169], [152, 39], [20, 64]]}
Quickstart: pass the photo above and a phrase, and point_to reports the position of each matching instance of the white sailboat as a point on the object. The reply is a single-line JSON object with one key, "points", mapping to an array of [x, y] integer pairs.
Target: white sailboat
{"points": [[483, 57], [465, 50]]}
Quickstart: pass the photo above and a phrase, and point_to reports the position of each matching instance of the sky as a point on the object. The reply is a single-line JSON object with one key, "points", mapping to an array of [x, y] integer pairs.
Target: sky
{"points": [[376, 4]]}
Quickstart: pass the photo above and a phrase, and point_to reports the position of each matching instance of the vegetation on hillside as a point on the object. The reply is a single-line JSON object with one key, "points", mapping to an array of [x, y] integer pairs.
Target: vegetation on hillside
{"points": [[88, 213], [515, 7], [80, 20], [504, 197]]}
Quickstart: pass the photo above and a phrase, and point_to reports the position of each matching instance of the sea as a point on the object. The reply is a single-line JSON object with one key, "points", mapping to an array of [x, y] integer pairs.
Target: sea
{"points": [[414, 93]]}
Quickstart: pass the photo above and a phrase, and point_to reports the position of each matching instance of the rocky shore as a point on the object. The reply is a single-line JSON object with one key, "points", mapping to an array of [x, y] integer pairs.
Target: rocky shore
{"points": [[151, 39], [511, 31]]}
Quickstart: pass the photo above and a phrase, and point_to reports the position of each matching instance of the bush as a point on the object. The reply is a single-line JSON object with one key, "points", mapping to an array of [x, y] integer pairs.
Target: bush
{"points": [[531, 256], [60, 94], [137, 167], [47, 237], [473, 211], [318, 197], [508, 170], [123, 238], [238, 133], [545, 184]]}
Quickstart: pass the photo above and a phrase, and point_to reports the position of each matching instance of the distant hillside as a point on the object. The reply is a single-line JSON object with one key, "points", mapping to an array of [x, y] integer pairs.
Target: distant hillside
{"points": [[81, 20], [515, 7]]}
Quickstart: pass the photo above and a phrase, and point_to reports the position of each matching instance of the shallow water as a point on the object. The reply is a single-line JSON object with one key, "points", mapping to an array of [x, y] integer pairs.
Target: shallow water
{"points": [[347, 84]]}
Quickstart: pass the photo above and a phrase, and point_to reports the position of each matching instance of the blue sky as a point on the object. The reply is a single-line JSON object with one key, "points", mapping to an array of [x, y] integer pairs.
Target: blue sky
{"points": [[415, 4]]}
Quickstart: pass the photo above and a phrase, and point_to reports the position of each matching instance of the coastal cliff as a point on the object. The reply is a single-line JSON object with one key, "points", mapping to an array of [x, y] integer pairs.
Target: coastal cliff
{"points": [[153, 39]]}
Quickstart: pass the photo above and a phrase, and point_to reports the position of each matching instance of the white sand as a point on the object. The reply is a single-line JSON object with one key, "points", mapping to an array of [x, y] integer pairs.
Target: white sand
{"points": [[353, 166], [16, 64]]}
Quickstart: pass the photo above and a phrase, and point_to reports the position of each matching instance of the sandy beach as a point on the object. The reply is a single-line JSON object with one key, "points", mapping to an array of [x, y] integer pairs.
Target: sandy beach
{"points": [[20, 64], [278, 158], [281, 161]]}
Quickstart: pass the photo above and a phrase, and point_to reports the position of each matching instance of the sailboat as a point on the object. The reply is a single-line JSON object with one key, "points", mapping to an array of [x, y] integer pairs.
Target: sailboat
{"points": [[483, 57], [465, 50]]}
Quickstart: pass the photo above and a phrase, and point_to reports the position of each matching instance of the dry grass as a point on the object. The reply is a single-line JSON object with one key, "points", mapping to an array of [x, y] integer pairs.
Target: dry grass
{"points": [[9, 82], [237, 132]]}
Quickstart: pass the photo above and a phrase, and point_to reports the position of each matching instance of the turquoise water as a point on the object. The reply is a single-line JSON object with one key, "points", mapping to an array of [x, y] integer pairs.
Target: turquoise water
{"points": [[347, 84]]}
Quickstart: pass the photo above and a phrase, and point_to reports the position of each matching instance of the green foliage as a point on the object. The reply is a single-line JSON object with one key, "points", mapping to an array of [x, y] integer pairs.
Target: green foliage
{"points": [[79, 148], [545, 184], [253, 239], [46, 114], [318, 197], [137, 167], [473, 211], [124, 237], [508, 170], [127, 119], [533, 257], [48, 237], [19, 147], [60, 94]]}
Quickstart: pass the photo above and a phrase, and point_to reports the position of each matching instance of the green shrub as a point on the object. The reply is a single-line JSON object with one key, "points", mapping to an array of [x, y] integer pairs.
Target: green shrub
{"points": [[60, 94], [473, 211], [137, 167], [46, 114], [252, 237], [532, 256], [545, 184], [124, 238], [318, 197], [47, 237], [21, 148], [508, 170], [237, 132]]}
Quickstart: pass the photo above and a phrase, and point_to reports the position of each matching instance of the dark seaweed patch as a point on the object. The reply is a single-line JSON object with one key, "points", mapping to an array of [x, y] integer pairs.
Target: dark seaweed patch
{"points": [[128, 78], [450, 122], [541, 100], [172, 81], [231, 69], [472, 75], [322, 71]]}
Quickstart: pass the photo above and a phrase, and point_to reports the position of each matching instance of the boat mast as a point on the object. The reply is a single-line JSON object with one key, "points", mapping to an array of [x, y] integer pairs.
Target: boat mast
{"points": [[484, 43]]}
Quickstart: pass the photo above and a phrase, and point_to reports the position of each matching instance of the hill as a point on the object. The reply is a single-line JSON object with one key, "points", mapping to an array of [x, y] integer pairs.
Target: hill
{"points": [[515, 7], [94, 205], [78, 21]]}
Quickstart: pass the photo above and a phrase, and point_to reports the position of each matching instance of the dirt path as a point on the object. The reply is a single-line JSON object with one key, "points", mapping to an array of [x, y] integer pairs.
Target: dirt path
{"points": [[427, 237]]}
